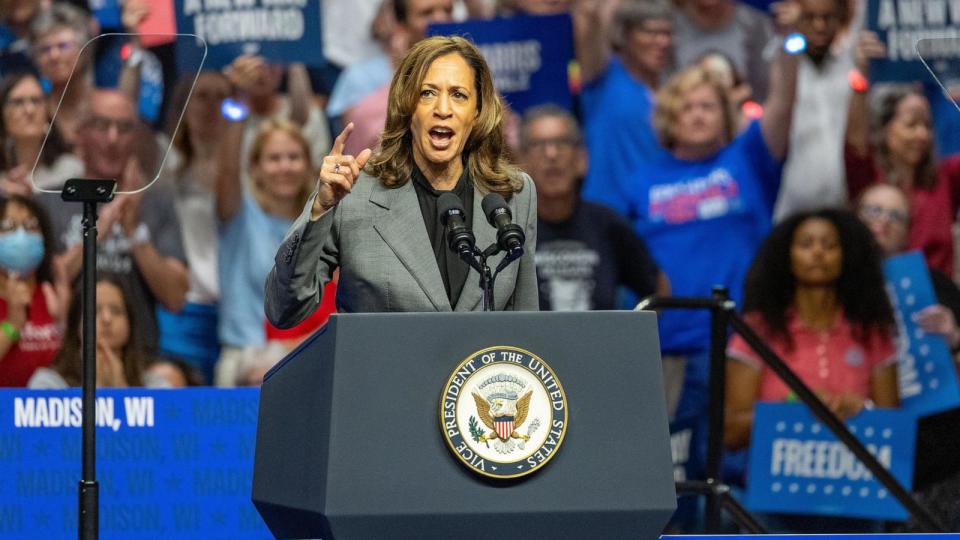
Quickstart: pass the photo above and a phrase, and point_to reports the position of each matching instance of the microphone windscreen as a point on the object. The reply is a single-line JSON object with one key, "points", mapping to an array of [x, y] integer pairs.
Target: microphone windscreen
{"points": [[447, 202], [491, 203]]}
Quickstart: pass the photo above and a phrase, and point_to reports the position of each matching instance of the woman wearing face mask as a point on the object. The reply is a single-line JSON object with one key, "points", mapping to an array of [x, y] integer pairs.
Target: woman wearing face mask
{"points": [[23, 125], [30, 304], [892, 142], [815, 294], [121, 356]]}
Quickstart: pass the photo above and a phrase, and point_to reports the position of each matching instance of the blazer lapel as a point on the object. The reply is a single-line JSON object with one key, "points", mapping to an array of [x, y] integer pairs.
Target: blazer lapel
{"points": [[471, 295], [403, 229]]}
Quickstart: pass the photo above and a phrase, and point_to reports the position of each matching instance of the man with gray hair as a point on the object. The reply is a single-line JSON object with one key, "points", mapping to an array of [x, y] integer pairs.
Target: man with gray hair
{"points": [[138, 235], [585, 251], [623, 54]]}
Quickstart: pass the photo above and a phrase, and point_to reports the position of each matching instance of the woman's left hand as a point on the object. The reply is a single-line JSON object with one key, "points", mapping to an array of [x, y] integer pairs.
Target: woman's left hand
{"points": [[937, 319], [845, 405]]}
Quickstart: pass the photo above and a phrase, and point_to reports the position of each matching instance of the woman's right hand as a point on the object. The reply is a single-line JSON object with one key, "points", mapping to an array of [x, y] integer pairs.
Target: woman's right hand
{"points": [[16, 182], [868, 47], [337, 174], [244, 71], [110, 372]]}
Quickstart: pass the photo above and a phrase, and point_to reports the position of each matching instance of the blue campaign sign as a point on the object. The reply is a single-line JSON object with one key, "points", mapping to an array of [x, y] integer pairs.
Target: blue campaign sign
{"points": [[171, 463], [282, 31], [684, 437], [6, 37], [528, 55], [927, 377], [107, 13], [900, 25], [797, 466], [762, 5]]}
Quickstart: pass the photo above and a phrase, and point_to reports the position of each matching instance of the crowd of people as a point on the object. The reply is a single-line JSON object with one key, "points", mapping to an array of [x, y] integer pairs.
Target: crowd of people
{"points": [[700, 152]]}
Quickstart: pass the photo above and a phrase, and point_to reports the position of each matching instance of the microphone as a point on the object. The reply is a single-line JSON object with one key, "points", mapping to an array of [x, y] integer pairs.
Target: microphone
{"points": [[459, 237], [510, 236]]}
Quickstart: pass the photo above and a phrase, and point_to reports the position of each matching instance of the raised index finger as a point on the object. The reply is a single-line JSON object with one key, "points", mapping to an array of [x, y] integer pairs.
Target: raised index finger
{"points": [[341, 140]]}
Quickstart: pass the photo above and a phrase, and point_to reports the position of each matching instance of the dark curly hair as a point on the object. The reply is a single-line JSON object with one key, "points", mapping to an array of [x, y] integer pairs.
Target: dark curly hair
{"points": [[770, 286]]}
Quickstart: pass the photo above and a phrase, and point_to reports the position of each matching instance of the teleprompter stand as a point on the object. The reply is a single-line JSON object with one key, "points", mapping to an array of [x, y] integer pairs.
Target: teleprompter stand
{"points": [[89, 192]]}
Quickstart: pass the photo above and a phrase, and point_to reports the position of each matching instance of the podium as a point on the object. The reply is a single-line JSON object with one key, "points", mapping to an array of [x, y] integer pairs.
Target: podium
{"points": [[350, 445]]}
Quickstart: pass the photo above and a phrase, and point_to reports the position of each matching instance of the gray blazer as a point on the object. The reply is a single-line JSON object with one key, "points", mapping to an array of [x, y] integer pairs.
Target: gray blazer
{"points": [[377, 237]]}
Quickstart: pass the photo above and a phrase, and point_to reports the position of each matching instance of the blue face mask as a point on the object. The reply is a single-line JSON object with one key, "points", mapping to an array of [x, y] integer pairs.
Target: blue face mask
{"points": [[21, 251]]}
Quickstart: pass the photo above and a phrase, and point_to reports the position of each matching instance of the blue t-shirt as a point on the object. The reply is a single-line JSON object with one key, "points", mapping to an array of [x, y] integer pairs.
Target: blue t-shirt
{"points": [[358, 81], [703, 222], [617, 124], [247, 246]]}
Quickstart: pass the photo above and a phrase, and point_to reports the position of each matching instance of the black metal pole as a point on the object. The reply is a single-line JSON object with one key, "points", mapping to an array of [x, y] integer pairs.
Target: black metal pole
{"points": [[486, 281], [719, 314], [740, 515], [89, 490], [825, 415], [89, 192]]}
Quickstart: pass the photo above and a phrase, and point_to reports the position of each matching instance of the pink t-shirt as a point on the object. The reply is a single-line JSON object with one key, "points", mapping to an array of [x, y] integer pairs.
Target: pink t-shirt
{"points": [[831, 360]]}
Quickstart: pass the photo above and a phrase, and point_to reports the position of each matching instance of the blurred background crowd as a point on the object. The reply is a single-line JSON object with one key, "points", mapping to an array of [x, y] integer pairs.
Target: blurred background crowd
{"points": [[698, 152]]}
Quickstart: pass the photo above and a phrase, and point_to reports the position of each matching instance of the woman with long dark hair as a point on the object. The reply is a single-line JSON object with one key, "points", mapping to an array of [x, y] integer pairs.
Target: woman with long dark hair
{"points": [[23, 125], [815, 293], [892, 142], [121, 355]]}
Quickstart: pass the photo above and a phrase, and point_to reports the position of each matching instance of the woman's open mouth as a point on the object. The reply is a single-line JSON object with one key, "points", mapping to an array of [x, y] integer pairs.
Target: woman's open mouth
{"points": [[440, 137]]}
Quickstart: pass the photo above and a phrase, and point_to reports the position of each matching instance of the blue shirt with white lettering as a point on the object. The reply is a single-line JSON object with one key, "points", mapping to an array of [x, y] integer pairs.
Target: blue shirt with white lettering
{"points": [[703, 222]]}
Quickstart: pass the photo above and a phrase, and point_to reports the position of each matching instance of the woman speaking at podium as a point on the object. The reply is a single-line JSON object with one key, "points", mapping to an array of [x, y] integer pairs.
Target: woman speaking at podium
{"points": [[375, 218]]}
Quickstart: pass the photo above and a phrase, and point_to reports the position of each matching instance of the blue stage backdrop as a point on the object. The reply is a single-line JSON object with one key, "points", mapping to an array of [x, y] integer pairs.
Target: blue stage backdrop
{"points": [[282, 31], [529, 56], [797, 465], [171, 463], [927, 376]]}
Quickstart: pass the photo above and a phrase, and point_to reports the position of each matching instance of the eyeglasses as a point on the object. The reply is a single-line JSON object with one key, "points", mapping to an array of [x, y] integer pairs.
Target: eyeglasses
{"points": [[872, 212], [21, 102], [103, 124], [29, 225], [539, 146], [59, 46]]}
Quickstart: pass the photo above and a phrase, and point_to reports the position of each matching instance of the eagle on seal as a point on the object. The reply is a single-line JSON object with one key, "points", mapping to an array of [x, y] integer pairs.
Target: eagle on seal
{"points": [[503, 416]]}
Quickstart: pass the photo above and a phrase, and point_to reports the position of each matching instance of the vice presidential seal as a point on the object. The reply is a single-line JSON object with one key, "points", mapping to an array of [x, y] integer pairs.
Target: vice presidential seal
{"points": [[503, 412]]}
